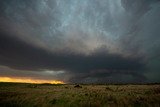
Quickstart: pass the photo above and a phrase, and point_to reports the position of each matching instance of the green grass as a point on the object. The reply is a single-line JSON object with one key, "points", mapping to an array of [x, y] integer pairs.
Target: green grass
{"points": [[47, 95]]}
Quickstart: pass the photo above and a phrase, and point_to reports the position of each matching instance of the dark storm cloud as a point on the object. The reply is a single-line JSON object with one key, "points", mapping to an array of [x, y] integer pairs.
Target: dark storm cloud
{"points": [[142, 36], [91, 41], [22, 56], [143, 24]]}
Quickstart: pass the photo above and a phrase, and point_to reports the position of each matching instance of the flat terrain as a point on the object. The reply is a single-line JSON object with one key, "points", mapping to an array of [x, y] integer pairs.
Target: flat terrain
{"points": [[46, 95]]}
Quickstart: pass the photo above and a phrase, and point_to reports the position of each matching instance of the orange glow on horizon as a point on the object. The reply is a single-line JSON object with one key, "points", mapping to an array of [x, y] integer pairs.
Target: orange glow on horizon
{"points": [[26, 80]]}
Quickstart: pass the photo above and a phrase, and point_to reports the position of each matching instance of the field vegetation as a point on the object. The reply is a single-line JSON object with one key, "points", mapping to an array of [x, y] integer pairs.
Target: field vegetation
{"points": [[49, 95]]}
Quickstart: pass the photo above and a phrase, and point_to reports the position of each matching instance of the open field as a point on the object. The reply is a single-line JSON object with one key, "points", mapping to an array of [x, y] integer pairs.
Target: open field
{"points": [[47, 95]]}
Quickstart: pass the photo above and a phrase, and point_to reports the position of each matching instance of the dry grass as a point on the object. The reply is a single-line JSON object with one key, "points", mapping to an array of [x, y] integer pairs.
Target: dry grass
{"points": [[46, 95]]}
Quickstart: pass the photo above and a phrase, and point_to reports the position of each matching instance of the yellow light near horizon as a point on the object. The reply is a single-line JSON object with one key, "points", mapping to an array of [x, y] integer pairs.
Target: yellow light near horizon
{"points": [[25, 80]]}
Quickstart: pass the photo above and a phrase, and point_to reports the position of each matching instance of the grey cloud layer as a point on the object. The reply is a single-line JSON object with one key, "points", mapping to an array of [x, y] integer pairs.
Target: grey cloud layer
{"points": [[91, 41]]}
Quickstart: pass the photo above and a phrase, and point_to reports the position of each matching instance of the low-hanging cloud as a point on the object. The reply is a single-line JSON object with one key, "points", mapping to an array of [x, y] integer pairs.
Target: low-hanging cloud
{"points": [[90, 41]]}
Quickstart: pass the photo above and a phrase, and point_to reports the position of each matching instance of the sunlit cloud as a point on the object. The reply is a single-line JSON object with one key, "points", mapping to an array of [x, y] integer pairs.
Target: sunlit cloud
{"points": [[29, 80]]}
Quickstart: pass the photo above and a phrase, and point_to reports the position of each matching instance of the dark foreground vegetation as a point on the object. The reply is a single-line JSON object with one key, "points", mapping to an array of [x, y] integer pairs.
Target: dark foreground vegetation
{"points": [[47, 95]]}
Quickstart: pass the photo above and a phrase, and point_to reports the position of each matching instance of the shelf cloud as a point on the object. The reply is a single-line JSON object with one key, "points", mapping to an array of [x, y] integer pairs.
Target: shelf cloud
{"points": [[81, 41]]}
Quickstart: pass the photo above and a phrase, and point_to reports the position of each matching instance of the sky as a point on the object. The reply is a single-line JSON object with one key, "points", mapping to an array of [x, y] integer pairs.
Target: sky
{"points": [[80, 41]]}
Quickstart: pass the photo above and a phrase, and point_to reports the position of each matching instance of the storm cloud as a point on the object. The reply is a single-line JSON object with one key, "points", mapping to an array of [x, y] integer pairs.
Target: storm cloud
{"points": [[81, 41]]}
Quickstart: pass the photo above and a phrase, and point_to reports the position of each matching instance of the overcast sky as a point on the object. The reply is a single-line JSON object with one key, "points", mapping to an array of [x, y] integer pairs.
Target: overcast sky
{"points": [[81, 41]]}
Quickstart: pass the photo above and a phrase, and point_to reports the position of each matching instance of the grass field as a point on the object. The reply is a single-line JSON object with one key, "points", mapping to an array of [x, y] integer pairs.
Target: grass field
{"points": [[47, 95]]}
